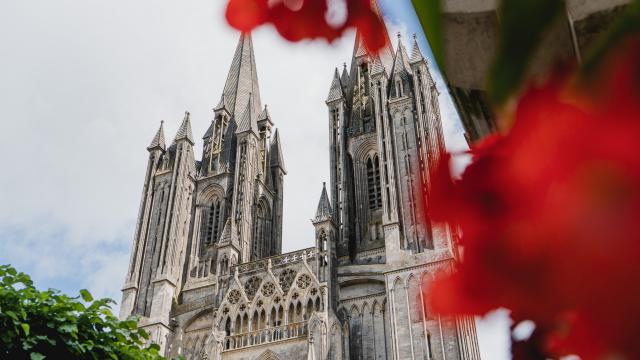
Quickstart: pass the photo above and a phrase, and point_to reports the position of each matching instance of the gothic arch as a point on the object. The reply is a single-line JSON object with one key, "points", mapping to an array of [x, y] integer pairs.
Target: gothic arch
{"points": [[367, 146], [200, 315], [209, 193]]}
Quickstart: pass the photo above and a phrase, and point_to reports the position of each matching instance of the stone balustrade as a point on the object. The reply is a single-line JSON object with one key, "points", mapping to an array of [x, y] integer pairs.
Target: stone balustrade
{"points": [[276, 261], [265, 336]]}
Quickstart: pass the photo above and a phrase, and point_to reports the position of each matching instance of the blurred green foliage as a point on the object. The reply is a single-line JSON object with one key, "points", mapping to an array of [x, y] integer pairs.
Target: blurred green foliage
{"points": [[49, 325], [522, 26]]}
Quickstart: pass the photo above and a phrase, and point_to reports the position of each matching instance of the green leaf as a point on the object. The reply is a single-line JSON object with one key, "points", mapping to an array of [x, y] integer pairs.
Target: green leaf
{"points": [[25, 328], [430, 14], [86, 295], [37, 356], [522, 25]]}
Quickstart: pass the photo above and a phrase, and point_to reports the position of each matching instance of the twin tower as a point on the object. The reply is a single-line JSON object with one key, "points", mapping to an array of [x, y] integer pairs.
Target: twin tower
{"points": [[207, 278]]}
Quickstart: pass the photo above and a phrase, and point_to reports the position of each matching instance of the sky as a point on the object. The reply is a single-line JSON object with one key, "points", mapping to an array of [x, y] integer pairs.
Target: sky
{"points": [[84, 85]]}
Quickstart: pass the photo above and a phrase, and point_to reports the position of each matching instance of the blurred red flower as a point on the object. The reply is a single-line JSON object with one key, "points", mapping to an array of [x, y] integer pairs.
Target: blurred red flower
{"points": [[296, 20], [550, 217]]}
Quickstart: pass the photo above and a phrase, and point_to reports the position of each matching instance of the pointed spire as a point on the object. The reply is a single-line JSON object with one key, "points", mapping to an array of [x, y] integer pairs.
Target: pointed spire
{"points": [[242, 81], [248, 120], [158, 139], [264, 115], [344, 78], [416, 54], [229, 233], [324, 211], [335, 93], [222, 104], [209, 131], [185, 129], [401, 60], [275, 153], [377, 67], [359, 49]]}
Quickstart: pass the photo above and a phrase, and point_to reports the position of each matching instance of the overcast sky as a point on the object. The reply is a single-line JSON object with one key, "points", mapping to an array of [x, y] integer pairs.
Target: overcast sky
{"points": [[83, 87]]}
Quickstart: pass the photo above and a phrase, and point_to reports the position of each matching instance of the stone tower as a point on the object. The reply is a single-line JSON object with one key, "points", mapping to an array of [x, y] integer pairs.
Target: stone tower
{"points": [[207, 277], [198, 219]]}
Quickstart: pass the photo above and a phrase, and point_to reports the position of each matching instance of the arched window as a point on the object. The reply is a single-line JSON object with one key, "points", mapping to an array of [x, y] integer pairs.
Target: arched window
{"points": [[374, 190]]}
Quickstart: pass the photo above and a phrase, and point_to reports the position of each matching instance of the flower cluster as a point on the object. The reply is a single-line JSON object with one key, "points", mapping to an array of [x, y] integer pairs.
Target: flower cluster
{"points": [[550, 216], [296, 20]]}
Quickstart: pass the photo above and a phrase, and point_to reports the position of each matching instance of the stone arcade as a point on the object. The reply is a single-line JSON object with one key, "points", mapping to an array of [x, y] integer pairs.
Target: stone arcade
{"points": [[207, 277]]}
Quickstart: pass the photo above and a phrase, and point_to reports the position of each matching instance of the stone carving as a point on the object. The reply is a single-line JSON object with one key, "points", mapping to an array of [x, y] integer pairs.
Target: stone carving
{"points": [[234, 296], [286, 279], [251, 286], [268, 289], [303, 281]]}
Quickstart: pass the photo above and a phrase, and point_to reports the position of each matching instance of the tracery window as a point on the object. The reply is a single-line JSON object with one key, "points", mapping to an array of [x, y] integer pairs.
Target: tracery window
{"points": [[374, 189]]}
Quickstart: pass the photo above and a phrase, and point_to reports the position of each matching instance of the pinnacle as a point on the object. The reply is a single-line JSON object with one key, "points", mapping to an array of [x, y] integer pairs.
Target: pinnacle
{"points": [[401, 60], [344, 78], [184, 133], [229, 233], [248, 120], [324, 211], [158, 139], [416, 54], [335, 93], [276, 159]]}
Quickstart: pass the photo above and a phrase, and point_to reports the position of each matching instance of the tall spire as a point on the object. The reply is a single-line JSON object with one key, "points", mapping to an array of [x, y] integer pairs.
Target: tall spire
{"points": [[242, 81], [275, 153], [416, 54], [324, 211], [158, 139], [185, 129]]}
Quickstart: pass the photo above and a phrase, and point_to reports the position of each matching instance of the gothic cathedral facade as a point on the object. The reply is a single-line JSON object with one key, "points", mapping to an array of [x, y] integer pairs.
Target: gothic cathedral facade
{"points": [[207, 277]]}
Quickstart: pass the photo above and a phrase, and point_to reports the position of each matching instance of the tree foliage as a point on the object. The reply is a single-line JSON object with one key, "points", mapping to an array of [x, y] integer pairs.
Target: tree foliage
{"points": [[47, 324]]}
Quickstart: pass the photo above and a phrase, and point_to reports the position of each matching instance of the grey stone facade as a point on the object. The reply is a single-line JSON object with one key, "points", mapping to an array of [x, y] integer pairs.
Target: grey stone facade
{"points": [[207, 277]]}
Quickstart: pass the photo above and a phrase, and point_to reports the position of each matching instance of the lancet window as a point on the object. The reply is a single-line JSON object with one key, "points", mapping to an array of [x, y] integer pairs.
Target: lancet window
{"points": [[374, 190], [212, 222]]}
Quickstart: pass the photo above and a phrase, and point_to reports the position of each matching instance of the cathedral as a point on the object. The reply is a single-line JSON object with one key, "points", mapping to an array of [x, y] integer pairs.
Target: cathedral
{"points": [[207, 278]]}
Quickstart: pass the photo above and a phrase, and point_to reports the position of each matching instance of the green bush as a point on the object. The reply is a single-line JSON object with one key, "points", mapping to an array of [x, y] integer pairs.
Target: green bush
{"points": [[50, 325]]}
